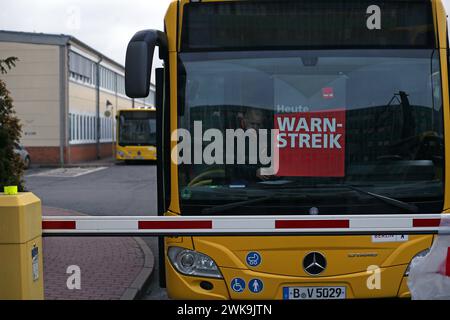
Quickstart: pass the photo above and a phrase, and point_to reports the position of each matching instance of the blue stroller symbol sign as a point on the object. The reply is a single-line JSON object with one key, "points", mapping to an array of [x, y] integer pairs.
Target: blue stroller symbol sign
{"points": [[255, 285], [253, 259], [238, 285]]}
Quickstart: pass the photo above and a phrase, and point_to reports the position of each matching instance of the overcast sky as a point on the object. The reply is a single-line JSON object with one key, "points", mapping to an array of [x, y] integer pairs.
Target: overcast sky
{"points": [[106, 25]]}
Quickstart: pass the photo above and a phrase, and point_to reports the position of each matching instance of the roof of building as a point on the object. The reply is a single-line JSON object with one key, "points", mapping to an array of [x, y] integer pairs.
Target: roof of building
{"points": [[51, 39]]}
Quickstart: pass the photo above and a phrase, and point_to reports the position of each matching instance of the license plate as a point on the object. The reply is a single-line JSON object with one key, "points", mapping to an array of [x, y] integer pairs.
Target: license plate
{"points": [[314, 293]]}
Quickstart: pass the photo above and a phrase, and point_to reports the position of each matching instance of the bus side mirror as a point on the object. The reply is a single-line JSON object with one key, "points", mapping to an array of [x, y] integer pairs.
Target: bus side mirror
{"points": [[139, 60]]}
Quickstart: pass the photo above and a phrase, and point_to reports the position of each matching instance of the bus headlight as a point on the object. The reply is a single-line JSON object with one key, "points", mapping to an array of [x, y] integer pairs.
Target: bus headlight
{"points": [[193, 263], [420, 254]]}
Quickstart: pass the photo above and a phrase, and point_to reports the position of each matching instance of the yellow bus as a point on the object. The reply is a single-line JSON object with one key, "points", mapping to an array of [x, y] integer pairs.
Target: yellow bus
{"points": [[358, 91], [136, 135]]}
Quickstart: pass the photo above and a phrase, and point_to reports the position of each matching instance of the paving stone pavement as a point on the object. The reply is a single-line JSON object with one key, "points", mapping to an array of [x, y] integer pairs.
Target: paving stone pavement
{"points": [[111, 268]]}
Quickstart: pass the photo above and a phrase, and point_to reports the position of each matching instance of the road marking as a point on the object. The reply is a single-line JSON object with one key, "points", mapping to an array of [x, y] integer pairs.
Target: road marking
{"points": [[67, 172]]}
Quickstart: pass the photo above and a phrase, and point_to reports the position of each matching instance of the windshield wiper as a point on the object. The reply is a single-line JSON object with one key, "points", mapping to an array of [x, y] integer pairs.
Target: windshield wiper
{"points": [[391, 201], [233, 205]]}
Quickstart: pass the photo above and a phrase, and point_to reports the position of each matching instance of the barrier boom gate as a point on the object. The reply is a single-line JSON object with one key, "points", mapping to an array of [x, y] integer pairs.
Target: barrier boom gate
{"points": [[246, 225]]}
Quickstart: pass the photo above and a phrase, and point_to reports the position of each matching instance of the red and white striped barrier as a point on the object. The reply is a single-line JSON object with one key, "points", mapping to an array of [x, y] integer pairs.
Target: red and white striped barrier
{"points": [[245, 225]]}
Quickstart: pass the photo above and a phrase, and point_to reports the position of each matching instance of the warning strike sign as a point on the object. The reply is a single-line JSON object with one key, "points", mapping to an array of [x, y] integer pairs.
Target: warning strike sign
{"points": [[311, 144]]}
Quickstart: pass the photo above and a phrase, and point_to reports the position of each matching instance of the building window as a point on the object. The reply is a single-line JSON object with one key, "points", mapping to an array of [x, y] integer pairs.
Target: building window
{"points": [[81, 69], [120, 84], [82, 129], [84, 70], [107, 79]]}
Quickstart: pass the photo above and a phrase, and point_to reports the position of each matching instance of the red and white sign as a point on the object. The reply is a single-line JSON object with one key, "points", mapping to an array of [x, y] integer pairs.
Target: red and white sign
{"points": [[311, 144]]}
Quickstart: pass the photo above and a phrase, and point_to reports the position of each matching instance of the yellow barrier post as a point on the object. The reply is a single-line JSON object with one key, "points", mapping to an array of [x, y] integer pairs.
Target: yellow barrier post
{"points": [[21, 268]]}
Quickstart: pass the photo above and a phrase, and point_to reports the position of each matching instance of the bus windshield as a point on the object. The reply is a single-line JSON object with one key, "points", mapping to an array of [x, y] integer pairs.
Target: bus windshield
{"points": [[137, 128], [352, 124]]}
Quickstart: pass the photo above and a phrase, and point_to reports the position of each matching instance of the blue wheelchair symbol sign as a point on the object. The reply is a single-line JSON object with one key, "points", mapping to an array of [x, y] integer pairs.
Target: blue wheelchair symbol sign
{"points": [[253, 259], [255, 285], [238, 285]]}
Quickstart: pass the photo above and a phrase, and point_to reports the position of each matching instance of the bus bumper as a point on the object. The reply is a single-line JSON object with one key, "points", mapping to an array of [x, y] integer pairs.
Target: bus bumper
{"points": [[136, 153], [393, 284]]}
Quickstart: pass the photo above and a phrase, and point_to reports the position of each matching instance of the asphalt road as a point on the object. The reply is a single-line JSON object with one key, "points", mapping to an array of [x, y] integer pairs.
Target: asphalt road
{"points": [[118, 190], [115, 191]]}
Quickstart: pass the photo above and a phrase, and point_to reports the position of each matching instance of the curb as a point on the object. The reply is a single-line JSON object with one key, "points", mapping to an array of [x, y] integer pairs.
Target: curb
{"points": [[135, 290]]}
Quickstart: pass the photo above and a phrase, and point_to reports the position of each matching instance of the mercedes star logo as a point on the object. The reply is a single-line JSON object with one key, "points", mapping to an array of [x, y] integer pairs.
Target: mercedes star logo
{"points": [[314, 263]]}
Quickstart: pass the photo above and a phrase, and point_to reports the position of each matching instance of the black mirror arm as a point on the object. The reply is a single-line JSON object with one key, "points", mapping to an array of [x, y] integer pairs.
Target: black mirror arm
{"points": [[152, 37], [139, 61]]}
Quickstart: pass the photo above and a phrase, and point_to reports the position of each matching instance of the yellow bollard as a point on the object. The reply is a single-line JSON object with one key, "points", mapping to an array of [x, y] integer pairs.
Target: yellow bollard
{"points": [[21, 268]]}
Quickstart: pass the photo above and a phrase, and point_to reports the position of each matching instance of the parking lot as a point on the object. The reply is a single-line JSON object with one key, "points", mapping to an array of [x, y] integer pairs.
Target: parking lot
{"points": [[112, 190]]}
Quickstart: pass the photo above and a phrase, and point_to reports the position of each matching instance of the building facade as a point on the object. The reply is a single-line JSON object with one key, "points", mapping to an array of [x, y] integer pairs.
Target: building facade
{"points": [[66, 95]]}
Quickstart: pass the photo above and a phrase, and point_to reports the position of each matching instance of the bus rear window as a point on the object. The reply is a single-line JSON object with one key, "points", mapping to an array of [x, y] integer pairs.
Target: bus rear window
{"points": [[307, 24]]}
